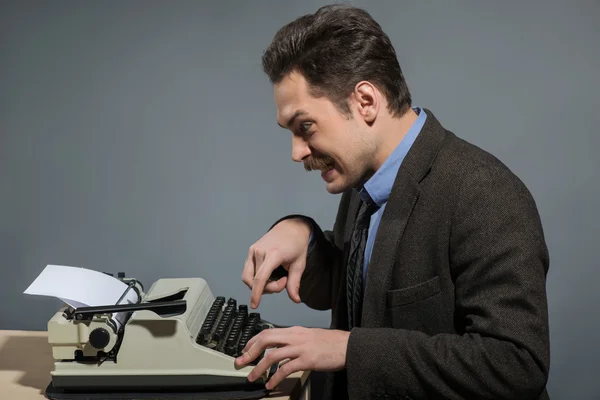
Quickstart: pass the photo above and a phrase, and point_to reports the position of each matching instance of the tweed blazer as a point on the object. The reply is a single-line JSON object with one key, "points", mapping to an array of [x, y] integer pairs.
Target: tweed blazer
{"points": [[455, 300]]}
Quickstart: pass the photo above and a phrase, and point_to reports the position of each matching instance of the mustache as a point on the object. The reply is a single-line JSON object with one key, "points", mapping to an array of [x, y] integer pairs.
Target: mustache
{"points": [[322, 163]]}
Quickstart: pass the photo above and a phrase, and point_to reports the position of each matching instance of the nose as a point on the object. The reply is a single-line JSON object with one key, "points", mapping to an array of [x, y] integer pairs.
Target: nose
{"points": [[300, 149]]}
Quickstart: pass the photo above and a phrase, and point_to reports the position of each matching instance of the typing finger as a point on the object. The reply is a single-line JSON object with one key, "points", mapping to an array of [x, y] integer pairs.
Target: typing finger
{"points": [[250, 343], [284, 371], [249, 267], [264, 340], [293, 281], [259, 257], [263, 272], [271, 357]]}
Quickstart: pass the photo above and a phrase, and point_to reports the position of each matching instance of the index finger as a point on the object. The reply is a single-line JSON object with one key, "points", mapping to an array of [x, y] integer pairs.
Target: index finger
{"points": [[262, 277], [248, 271]]}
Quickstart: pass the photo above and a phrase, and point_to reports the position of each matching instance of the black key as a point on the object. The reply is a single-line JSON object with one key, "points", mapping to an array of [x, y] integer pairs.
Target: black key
{"points": [[224, 323], [234, 335], [209, 322]]}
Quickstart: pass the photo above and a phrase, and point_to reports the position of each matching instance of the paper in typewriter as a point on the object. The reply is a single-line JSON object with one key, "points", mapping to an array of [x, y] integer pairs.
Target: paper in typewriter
{"points": [[81, 287]]}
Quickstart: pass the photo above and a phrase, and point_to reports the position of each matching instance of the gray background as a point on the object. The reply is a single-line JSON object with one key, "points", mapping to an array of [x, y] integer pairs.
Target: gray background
{"points": [[141, 137]]}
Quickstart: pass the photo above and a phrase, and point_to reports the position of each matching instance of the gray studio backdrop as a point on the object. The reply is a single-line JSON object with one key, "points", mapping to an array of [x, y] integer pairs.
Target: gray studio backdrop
{"points": [[141, 137]]}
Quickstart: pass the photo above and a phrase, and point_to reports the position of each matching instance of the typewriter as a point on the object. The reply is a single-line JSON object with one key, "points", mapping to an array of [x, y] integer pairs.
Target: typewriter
{"points": [[177, 336]]}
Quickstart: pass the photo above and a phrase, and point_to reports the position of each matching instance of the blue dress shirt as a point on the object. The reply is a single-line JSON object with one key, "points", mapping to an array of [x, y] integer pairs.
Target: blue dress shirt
{"points": [[378, 188]]}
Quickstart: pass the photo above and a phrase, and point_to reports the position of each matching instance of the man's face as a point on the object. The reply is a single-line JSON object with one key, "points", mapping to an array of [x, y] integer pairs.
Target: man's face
{"points": [[324, 138]]}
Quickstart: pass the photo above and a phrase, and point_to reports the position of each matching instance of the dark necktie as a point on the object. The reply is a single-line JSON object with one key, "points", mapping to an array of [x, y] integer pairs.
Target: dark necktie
{"points": [[355, 264]]}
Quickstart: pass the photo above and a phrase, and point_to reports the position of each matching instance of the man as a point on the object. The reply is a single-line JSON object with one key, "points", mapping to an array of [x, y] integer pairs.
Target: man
{"points": [[435, 269]]}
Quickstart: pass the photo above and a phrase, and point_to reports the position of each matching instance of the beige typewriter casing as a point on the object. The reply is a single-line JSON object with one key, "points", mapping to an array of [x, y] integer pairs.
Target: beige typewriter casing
{"points": [[149, 351]]}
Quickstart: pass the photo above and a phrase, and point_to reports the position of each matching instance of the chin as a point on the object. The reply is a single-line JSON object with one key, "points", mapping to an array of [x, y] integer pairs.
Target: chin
{"points": [[335, 189], [335, 181], [337, 185]]}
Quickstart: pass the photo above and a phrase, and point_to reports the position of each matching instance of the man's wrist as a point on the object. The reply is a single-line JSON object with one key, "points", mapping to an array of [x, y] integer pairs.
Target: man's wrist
{"points": [[306, 225], [346, 339], [303, 219]]}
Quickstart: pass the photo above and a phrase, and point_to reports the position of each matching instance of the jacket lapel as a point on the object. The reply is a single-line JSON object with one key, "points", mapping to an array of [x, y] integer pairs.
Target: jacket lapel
{"points": [[393, 222], [401, 203]]}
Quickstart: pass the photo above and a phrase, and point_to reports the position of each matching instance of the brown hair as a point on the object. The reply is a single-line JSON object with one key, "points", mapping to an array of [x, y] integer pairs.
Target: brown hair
{"points": [[334, 49]]}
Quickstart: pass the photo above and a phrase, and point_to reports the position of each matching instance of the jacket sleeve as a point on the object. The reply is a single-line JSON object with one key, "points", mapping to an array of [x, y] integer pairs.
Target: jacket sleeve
{"points": [[325, 254], [499, 262], [315, 284]]}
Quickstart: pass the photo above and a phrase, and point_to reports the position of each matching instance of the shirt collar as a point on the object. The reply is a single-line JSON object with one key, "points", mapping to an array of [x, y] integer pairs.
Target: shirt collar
{"points": [[378, 188]]}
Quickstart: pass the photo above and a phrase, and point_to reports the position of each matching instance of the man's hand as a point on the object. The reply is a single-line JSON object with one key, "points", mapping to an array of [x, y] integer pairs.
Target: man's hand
{"points": [[286, 244], [308, 349]]}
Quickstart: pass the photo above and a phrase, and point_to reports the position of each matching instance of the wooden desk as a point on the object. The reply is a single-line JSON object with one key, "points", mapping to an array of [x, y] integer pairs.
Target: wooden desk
{"points": [[26, 361]]}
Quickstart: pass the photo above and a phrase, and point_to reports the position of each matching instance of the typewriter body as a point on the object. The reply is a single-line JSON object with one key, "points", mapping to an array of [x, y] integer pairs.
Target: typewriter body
{"points": [[178, 335]]}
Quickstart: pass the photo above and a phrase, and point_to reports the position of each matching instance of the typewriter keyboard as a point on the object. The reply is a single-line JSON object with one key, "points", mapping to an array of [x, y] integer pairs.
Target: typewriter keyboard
{"points": [[228, 327]]}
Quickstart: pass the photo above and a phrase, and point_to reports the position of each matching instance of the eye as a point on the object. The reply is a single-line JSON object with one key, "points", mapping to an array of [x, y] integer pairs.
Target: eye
{"points": [[305, 127]]}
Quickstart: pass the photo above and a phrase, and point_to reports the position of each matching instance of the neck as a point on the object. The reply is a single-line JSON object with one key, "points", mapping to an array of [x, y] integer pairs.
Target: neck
{"points": [[393, 131]]}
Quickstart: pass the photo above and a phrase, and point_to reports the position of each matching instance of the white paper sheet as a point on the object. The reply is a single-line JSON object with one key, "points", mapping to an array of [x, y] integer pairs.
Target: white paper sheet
{"points": [[81, 287]]}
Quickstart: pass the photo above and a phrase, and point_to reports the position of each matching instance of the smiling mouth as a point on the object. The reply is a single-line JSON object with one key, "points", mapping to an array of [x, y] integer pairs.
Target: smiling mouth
{"points": [[327, 172]]}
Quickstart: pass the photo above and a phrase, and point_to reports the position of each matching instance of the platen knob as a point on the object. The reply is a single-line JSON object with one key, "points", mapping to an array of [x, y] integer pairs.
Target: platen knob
{"points": [[99, 338]]}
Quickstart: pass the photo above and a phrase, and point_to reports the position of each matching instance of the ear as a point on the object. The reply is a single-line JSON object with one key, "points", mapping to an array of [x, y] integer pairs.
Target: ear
{"points": [[367, 101]]}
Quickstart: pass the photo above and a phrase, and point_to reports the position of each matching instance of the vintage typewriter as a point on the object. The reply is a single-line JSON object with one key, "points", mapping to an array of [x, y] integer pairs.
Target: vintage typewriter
{"points": [[176, 337]]}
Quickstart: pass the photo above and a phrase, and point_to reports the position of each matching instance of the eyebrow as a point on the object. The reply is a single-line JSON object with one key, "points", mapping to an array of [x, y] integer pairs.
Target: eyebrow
{"points": [[293, 118]]}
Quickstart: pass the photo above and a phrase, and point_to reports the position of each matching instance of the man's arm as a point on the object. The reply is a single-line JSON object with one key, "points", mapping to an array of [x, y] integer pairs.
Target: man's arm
{"points": [[499, 261], [315, 284]]}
